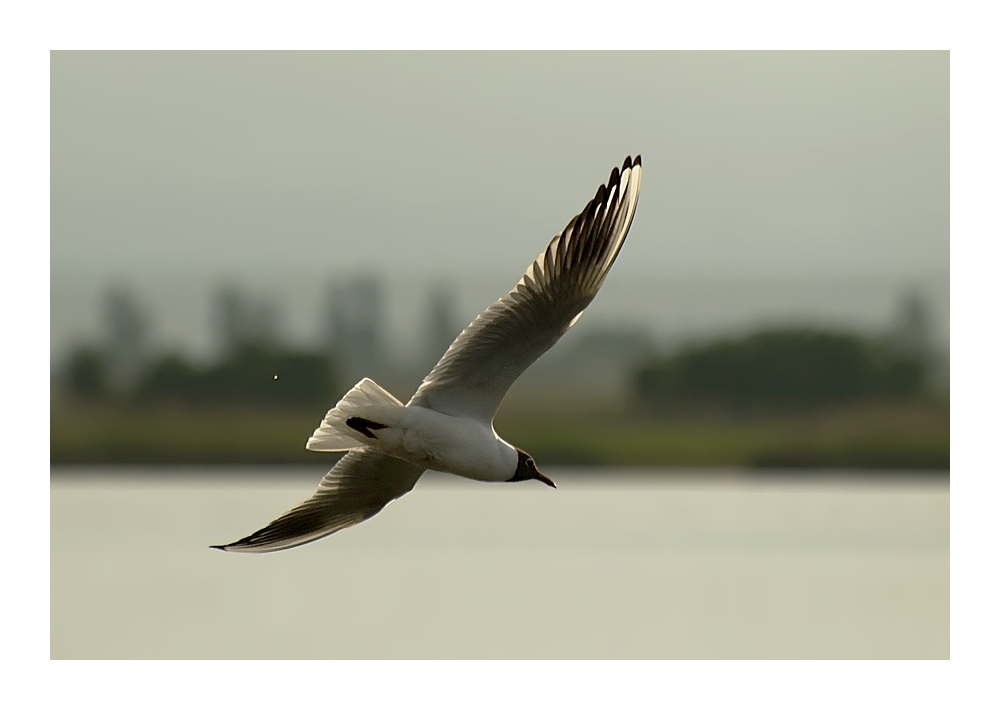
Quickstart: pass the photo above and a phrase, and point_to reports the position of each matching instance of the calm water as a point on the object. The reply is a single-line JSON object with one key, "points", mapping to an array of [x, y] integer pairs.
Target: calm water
{"points": [[621, 566]]}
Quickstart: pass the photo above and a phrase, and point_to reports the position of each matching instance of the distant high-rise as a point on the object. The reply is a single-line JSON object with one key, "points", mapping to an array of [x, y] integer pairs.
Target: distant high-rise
{"points": [[353, 326], [912, 328], [442, 323], [126, 330], [239, 321], [911, 332], [597, 362]]}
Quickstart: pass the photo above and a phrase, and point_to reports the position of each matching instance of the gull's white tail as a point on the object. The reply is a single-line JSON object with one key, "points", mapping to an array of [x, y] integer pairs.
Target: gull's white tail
{"points": [[367, 401]]}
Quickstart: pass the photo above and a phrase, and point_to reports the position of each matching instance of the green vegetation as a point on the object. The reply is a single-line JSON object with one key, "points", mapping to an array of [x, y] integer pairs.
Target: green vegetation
{"points": [[85, 433], [784, 368], [800, 399], [878, 435], [889, 435], [253, 375], [258, 405]]}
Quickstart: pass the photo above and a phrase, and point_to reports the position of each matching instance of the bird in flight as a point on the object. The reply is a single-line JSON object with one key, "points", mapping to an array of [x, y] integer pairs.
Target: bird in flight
{"points": [[448, 423]]}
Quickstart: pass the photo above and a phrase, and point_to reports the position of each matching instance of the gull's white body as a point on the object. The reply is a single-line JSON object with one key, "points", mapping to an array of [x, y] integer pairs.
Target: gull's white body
{"points": [[418, 435], [448, 423], [440, 442]]}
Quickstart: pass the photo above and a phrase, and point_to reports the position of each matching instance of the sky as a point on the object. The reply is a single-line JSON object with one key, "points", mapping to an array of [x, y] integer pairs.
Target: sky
{"points": [[287, 168]]}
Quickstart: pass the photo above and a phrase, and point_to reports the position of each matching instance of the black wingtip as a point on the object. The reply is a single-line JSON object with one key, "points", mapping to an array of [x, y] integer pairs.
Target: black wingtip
{"points": [[218, 547], [631, 162]]}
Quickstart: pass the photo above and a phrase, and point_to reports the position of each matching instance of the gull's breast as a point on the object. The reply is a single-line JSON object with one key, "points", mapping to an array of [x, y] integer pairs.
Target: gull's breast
{"points": [[458, 445]]}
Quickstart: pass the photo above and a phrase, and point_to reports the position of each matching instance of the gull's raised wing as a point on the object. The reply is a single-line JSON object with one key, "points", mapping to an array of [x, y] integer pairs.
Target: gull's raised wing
{"points": [[480, 366], [362, 483]]}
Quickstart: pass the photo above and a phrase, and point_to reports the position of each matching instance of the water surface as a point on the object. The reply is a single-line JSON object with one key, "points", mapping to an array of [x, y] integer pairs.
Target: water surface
{"points": [[708, 565]]}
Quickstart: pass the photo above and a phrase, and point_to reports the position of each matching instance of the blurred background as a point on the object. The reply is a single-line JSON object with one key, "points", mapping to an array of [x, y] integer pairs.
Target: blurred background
{"points": [[221, 218], [749, 426]]}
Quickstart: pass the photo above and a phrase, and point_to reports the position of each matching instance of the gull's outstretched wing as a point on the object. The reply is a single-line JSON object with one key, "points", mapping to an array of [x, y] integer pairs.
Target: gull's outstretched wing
{"points": [[479, 367], [358, 487]]}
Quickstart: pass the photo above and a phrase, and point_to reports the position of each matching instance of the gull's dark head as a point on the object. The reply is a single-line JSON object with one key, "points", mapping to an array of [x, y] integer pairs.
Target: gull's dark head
{"points": [[526, 469]]}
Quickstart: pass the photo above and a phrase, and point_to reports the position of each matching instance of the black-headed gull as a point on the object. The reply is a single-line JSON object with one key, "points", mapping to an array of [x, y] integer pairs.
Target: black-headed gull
{"points": [[448, 424]]}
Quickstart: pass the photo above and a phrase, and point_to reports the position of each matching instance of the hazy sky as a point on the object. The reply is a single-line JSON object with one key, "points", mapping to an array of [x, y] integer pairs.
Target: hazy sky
{"points": [[825, 164]]}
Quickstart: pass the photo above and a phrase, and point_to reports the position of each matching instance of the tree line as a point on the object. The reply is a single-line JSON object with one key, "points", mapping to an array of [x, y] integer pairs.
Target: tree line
{"points": [[772, 368], [781, 368], [252, 374]]}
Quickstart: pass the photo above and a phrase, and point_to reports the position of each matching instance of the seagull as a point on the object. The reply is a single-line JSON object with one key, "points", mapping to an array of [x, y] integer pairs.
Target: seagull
{"points": [[448, 423]]}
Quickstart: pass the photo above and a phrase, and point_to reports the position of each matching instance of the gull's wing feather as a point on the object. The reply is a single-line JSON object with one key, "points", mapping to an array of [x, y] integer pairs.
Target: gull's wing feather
{"points": [[480, 366], [362, 483]]}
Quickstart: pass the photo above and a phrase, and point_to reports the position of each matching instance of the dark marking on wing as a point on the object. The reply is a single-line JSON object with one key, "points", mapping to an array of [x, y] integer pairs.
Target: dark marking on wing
{"points": [[364, 426]]}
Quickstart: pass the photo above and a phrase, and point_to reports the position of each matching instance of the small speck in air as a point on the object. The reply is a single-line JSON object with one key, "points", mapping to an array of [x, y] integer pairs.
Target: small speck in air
{"points": [[275, 377]]}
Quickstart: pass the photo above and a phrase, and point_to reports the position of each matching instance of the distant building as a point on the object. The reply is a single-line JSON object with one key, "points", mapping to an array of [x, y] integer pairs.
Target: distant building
{"points": [[442, 325], [911, 331], [605, 359], [598, 362], [126, 332], [240, 321], [353, 326]]}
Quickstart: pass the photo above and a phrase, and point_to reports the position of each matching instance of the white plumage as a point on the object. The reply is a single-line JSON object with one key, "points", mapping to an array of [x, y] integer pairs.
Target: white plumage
{"points": [[421, 436], [448, 424], [366, 399]]}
